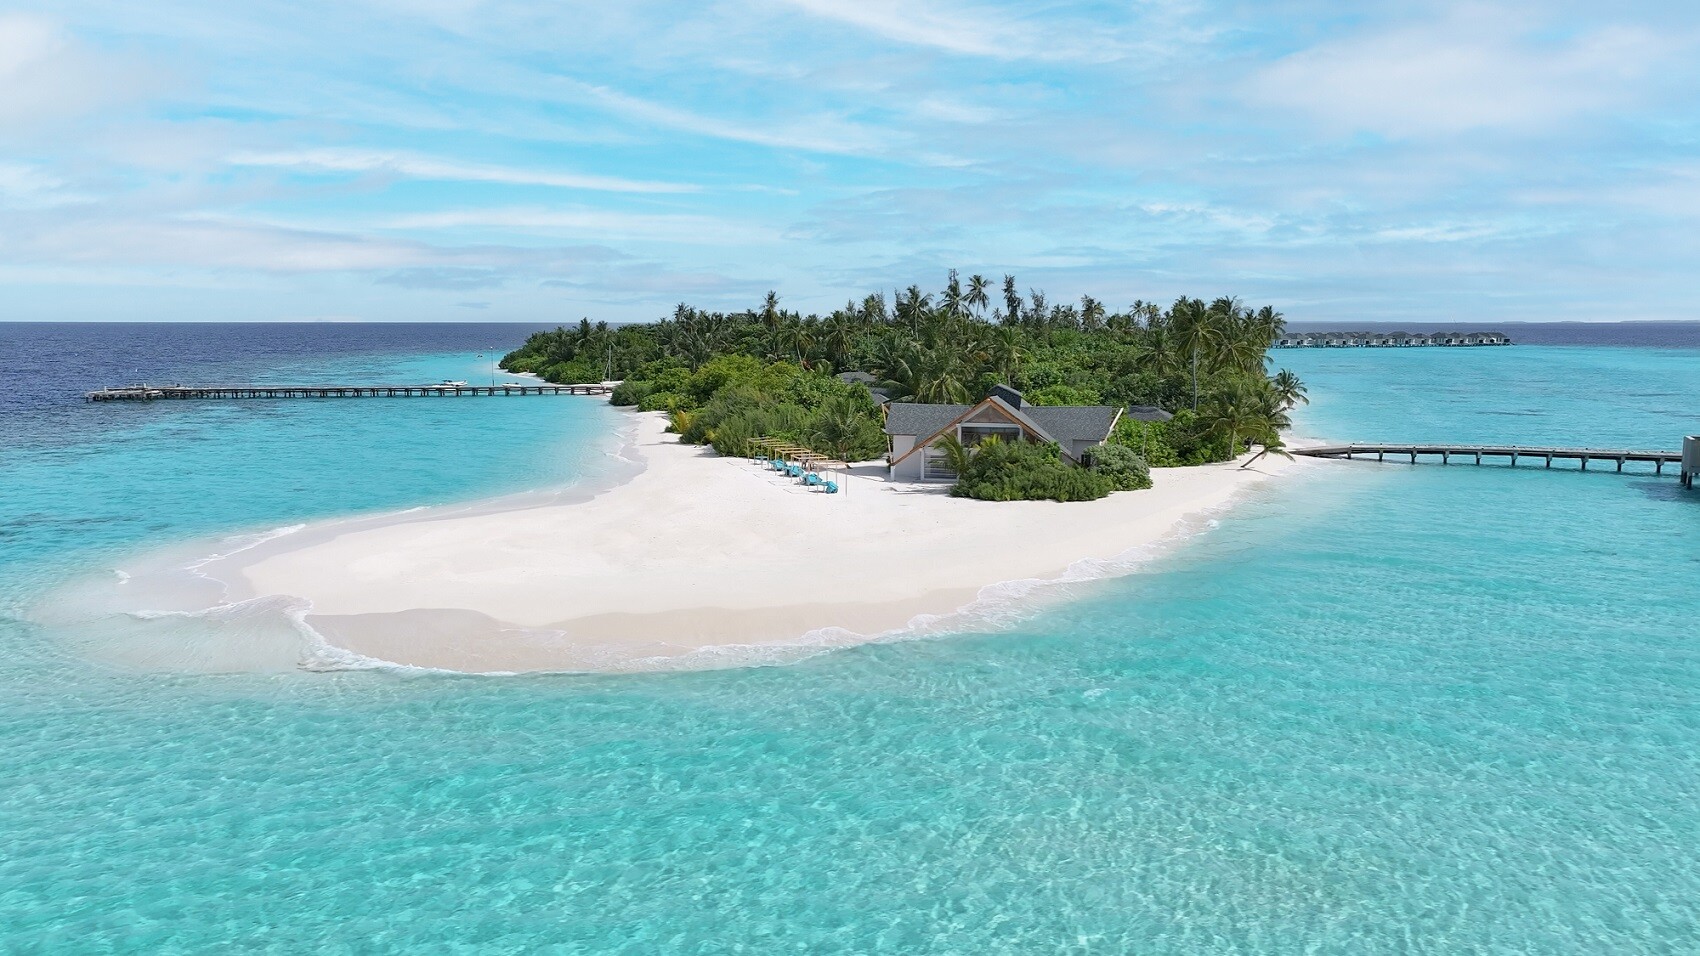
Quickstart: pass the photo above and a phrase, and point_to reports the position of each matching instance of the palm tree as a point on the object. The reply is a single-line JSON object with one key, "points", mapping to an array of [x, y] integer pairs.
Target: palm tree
{"points": [[793, 340], [956, 454], [838, 336], [976, 296], [1091, 314], [1196, 334], [912, 307], [953, 302], [873, 308], [842, 427], [771, 319], [1236, 411], [1011, 301], [920, 374], [1270, 445], [1037, 312], [1161, 355], [1005, 352], [1270, 325], [1289, 389]]}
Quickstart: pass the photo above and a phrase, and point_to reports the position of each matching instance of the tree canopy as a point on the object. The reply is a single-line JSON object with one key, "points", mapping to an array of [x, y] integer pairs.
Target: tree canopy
{"points": [[1204, 361]]}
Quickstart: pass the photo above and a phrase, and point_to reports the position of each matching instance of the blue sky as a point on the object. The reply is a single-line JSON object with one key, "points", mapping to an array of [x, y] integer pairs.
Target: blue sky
{"points": [[488, 159]]}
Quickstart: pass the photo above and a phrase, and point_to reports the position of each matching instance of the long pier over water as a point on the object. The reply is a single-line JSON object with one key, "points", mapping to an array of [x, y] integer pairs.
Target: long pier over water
{"points": [[148, 393], [1686, 462]]}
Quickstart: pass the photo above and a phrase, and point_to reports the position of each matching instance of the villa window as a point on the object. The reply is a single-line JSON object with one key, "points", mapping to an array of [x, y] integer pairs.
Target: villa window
{"points": [[935, 465], [973, 434]]}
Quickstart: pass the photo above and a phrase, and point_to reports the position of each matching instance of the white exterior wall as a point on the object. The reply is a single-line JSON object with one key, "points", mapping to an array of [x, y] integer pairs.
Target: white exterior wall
{"points": [[909, 469]]}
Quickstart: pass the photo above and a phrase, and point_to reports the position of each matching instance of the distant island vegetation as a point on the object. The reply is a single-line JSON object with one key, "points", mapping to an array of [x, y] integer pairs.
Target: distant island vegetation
{"points": [[728, 378]]}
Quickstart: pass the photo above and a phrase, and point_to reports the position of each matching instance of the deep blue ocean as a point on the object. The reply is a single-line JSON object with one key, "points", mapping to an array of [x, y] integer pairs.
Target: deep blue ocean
{"points": [[1374, 709]]}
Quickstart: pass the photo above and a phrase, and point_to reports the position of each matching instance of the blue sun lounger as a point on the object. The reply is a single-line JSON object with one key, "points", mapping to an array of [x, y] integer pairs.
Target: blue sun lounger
{"points": [[830, 487]]}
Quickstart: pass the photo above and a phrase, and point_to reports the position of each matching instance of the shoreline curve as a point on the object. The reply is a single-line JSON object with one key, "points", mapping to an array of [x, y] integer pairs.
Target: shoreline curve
{"points": [[696, 561]]}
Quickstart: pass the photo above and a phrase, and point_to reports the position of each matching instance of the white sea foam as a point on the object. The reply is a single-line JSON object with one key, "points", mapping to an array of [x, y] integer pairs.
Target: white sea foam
{"points": [[246, 543], [321, 656], [997, 607]]}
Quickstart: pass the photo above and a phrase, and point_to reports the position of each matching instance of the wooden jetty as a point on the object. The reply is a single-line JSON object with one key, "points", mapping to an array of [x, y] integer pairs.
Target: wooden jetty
{"points": [[148, 393], [1511, 453]]}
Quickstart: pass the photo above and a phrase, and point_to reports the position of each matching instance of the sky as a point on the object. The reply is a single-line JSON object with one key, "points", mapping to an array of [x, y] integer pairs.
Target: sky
{"points": [[504, 160]]}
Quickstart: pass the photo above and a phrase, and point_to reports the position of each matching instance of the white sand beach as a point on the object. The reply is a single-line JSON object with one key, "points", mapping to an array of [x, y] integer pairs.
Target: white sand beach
{"points": [[697, 561]]}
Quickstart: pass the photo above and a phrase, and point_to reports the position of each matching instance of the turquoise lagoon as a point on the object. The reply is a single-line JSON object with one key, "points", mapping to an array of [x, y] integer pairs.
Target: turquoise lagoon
{"points": [[1377, 709]]}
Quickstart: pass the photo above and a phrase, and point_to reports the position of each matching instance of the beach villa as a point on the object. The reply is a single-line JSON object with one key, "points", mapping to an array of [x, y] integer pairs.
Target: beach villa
{"points": [[915, 430]]}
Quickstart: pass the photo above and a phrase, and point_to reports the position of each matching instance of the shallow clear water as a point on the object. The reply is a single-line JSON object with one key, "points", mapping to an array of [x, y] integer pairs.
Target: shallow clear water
{"points": [[1392, 709]]}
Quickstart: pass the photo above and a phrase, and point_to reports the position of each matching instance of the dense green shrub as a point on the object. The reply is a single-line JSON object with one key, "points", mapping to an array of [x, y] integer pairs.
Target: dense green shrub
{"points": [[1121, 465], [846, 425], [632, 392], [575, 372], [732, 399], [659, 402], [1026, 471], [1062, 395], [1183, 440]]}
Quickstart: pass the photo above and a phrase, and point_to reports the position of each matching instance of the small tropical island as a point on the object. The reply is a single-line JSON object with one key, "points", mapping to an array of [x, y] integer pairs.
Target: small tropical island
{"points": [[1018, 400], [703, 552]]}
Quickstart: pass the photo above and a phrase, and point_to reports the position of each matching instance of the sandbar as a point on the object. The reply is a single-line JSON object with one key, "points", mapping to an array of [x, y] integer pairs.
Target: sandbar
{"points": [[700, 560]]}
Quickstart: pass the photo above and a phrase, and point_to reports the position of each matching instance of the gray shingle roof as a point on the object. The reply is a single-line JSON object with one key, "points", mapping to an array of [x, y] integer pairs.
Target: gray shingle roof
{"points": [[908, 418], [1147, 413], [1071, 423], [1064, 423]]}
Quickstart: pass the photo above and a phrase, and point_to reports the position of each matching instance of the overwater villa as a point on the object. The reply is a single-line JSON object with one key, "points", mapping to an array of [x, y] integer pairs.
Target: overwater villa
{"points": [[915, 430], [1338, 340]]}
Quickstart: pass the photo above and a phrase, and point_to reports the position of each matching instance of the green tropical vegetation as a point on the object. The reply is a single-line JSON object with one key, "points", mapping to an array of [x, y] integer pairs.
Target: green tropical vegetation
{"points": [[726, 378], [997, 470]]}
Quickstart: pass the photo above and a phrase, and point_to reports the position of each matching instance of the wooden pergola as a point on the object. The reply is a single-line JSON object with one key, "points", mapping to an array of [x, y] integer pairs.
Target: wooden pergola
{"points": [[790, 451]]}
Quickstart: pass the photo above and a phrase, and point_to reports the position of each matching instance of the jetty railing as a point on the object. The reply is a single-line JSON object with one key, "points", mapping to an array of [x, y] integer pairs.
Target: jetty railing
{"points": [[1516, 453], [149, 393]]}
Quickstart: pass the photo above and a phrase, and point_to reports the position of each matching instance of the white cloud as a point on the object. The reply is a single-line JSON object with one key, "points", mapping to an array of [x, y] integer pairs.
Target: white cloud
{"points": [[601, 224], [424, 167], [204, 244], [1468, 72], [1442, 232], [947, 110], [46, 76], [966, 31], [24, 186], [822, 133]]}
